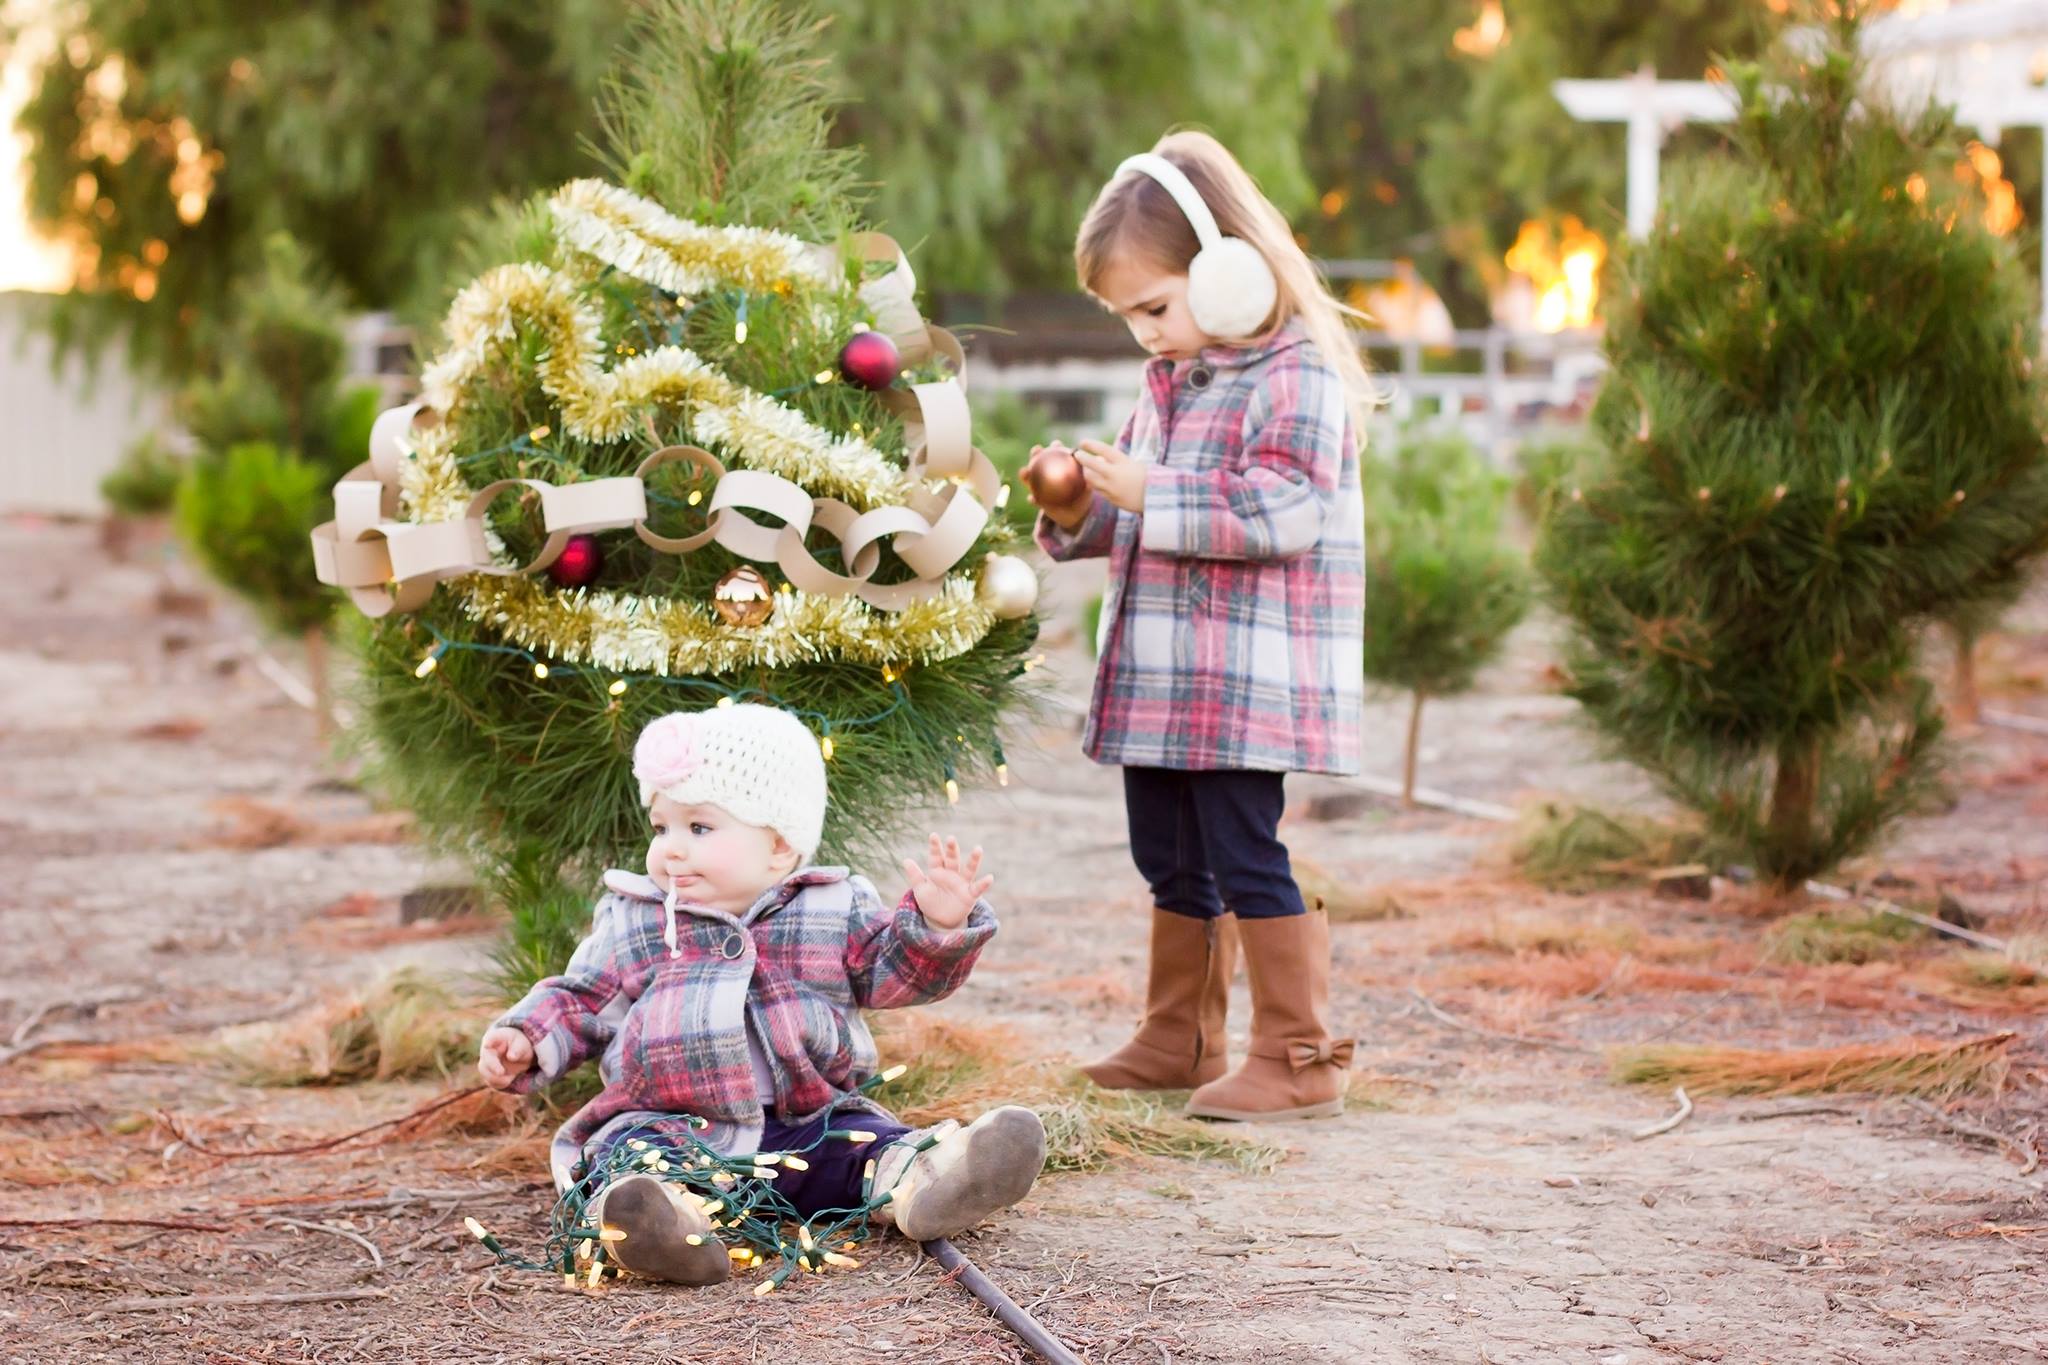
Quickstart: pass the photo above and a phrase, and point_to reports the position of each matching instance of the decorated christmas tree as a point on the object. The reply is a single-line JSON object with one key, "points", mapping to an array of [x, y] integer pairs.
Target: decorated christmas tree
{"points": [[691, 444], [1441, 589], [1821, 433]]}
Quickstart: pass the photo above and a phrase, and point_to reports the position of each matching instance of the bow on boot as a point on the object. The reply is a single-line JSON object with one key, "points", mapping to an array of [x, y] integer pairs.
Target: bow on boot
{"points": [[1302, 1054]]}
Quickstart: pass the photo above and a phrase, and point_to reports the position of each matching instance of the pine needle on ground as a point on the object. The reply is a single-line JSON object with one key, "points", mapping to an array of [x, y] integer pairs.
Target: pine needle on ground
{"points": [[959, 1070], [1938, 1069]]}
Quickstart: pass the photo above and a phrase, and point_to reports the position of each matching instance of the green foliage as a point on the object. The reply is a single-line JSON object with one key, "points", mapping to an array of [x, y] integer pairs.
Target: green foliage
{"points": [[274, 432], [529, 777], [145, 482], [1441, 590], [1822, 427], [549, 918], [245, 512], [722, 114], [1546, 465], [991, 127], [362, 127]]}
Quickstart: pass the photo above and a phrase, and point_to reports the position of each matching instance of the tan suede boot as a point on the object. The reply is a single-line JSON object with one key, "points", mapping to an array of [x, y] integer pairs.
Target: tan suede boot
{"points": [[666, 1236], [1293, 1068], [1180, 1043]]}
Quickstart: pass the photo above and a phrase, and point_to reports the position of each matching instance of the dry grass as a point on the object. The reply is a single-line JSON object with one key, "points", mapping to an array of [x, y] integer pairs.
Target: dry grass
{"points": [[1993, 971], [257, 824], [1823, 936], [1346, 902], [1545, 936], [1935, 1068], [958, 1070], [403, 1027], [1566, 847]]}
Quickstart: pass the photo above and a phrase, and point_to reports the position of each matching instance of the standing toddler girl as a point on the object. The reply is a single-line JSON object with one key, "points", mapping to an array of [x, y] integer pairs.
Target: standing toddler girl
{"points": [[1231, 624]]}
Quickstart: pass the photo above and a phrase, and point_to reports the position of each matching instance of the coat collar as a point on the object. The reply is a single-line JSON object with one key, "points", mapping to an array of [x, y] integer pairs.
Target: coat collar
{"points": [[1227, 357], [640, 887]]}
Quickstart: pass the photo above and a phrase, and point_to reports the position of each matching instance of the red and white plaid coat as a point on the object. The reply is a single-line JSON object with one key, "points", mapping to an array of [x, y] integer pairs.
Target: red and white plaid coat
{"points": [[670, 1030], [1232, 623]]}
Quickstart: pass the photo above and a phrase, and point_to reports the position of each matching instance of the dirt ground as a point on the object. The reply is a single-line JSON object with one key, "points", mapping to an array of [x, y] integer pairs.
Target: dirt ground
{"points": [[177, 858]]}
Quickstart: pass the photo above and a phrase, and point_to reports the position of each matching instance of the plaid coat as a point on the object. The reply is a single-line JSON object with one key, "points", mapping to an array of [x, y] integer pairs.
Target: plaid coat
{"points": [[1232, 623], [670, 1031]]}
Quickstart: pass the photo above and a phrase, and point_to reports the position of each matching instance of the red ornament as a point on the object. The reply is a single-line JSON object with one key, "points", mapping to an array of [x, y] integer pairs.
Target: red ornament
{"points": [[579, 564], [870, 360]]}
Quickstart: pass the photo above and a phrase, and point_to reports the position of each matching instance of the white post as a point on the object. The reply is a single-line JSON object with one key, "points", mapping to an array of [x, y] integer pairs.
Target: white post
{"points": [[1645, 142]]}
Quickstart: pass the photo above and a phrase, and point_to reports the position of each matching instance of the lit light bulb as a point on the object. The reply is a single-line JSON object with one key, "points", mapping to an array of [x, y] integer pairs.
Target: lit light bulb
{"points": [[825, 747], [540, 671], [618, 687], [725, 703]]}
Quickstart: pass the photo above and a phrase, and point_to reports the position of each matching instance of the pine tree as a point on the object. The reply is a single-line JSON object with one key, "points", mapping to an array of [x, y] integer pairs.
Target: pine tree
{"points": [[503, 710], [274, 428], [1822, 430], [1442, 591]]}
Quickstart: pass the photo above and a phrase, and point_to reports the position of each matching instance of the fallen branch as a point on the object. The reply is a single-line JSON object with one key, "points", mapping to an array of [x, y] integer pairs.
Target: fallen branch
{"points": [[111, 1222], [1939, 926], [325, 1145], [2011, 721], [1028, 1329], [1800, 1112], [376, 1256], [20, 1044], [2030, 1159], [1684, 1113], [159, 1303], [1455, 1022]]}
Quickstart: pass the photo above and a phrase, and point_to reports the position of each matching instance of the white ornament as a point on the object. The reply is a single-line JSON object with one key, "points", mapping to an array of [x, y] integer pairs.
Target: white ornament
{"points": [[1008, 586]]}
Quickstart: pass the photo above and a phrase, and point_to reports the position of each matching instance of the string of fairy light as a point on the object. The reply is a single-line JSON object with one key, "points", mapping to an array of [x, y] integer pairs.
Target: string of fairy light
{"points": [[616, 685], [736, 1195]]}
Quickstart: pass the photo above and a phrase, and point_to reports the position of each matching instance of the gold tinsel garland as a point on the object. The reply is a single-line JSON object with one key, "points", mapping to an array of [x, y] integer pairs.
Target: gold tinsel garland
{"points": [[602, 405]]}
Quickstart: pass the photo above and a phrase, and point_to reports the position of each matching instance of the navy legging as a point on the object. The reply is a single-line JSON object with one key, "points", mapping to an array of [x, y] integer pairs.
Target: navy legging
{"points": [[1208, 842]]}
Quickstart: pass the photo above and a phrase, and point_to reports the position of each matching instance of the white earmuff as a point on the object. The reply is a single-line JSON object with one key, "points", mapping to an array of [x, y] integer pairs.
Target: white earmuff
{"points": [[1231, 289]]}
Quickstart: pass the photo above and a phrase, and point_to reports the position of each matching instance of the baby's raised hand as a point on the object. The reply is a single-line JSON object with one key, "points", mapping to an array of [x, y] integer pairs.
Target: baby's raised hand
{"points": [[946, 895], [504, 1057]]}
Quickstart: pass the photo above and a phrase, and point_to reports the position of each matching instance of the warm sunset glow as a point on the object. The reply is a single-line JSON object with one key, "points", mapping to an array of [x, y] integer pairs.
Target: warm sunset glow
{"points": [[1563, 266], [1485, 35], [27, 261], [1982, 165]]}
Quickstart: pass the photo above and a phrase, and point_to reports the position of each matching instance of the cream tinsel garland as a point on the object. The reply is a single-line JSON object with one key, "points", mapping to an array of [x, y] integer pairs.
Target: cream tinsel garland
{"points": [[640, 238]]}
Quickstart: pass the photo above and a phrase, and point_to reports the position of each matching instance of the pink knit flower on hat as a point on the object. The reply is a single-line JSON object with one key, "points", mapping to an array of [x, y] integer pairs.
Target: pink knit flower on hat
{"points": [[666, 752]]}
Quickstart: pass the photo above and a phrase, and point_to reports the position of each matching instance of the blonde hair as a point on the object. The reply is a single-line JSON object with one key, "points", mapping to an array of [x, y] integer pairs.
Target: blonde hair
{"points": [[1135, 215]]}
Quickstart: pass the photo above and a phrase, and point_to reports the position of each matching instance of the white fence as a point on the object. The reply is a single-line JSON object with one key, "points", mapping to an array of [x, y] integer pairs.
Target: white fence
{"points": [[62, 429]]}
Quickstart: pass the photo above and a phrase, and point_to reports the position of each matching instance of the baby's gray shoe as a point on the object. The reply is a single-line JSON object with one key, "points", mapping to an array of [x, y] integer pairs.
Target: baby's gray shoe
{"points": [[667, 1236], [972, 1172]]}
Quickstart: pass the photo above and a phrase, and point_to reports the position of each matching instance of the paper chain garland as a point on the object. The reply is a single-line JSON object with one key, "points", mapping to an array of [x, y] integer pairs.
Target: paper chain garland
{"points": [[388, 564]]}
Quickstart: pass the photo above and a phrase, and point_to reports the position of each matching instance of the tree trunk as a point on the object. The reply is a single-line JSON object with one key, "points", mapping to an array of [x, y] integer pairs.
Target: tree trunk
{"points": [[316, 669], [1414, 743], [1963, 703], [1792, 803]]}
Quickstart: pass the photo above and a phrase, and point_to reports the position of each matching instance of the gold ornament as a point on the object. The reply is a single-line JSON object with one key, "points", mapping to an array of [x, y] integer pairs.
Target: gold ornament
{"points": [[743, 597], [1008, 588]]}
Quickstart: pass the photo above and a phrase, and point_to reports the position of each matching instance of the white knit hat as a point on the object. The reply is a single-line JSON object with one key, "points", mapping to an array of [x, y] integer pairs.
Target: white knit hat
{"points": [[759, 765]]}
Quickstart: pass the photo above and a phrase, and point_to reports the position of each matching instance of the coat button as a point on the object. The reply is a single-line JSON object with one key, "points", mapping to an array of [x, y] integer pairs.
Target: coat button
{"points": [[735, 945], [1200, 377]]}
